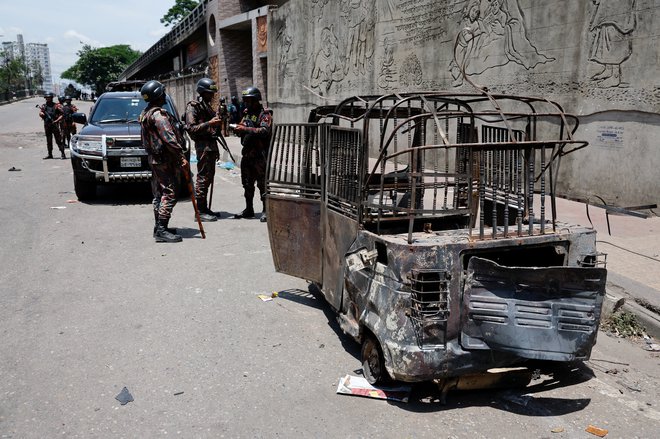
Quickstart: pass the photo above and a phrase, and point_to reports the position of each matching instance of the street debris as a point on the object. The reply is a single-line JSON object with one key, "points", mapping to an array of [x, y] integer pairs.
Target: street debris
{"points": [[58, 207], [71, 201], [14, 169], [267, 298], [124, 396], [557, 430], [600, 432], [178, 393], [226, 165], [358, 386]]}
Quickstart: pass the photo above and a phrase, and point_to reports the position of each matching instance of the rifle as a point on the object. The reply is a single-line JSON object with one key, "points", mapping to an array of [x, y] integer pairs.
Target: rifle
{"points": [[223, 143], [186, 174], [47, 117]]}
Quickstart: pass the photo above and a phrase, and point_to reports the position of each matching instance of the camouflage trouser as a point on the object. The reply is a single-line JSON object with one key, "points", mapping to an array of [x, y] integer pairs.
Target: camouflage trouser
{"points": [[164, 179], [253, 170], [205, 172], [68, 129], [53, 129]]}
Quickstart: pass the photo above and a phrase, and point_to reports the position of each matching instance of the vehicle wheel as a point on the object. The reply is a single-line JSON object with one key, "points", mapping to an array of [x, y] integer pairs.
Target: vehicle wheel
{"points": [[373, 362], [85, 190]]}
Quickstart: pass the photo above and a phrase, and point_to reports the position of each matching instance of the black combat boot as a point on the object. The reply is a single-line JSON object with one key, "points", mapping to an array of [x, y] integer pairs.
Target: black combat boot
{"points": [[205, 214], [171, 230], [162, 235], [49, 156], [248, 212]]}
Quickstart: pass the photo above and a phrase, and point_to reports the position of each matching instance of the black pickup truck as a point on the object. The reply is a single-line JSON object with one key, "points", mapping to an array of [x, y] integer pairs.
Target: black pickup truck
{"points": [[108, 149]]}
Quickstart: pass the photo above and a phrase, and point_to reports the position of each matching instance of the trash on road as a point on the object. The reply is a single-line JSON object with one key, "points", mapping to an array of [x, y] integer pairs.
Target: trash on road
{"points": [[358, 386], [58, 207], [264, 297], [600, 432], [557, 430], [71, 201], [226, 165], [14, 169], [124, 396], [178, 393], [653, 347]]}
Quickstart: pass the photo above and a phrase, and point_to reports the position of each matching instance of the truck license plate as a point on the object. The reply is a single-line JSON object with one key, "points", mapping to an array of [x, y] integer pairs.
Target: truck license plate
{"points": [[130, 162]]}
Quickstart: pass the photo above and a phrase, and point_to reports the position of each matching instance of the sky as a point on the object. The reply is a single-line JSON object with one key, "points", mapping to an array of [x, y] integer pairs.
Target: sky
{"points": [[64, 25]]}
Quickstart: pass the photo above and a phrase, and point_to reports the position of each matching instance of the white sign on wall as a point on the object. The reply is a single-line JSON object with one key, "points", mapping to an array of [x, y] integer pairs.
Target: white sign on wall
{"points": [[609, 136]]}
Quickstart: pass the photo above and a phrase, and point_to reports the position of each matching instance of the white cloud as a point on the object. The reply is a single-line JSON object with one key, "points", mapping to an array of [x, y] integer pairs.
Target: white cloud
{"points": [[82, 38]]}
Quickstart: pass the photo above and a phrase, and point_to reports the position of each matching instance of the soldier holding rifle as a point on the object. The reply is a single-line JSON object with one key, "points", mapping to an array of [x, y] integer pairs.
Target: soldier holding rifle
{"points": [[164, 145], [203, 126], [52, 114]]}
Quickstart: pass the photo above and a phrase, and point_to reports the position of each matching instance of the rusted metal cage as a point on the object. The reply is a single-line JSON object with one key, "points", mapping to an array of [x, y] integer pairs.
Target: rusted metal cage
{"points": [[432, 161]]}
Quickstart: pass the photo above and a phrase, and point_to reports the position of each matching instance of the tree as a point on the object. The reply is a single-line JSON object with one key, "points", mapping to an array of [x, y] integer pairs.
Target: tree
{"points": [[96, 67], [12, 75], [179, 11]]}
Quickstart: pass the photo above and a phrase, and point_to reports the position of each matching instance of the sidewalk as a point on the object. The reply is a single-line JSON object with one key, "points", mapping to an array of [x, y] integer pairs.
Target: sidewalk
{"points": [[633, 253]]}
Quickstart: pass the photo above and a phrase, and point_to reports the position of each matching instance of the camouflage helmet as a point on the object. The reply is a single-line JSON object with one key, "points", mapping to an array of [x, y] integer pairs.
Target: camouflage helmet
{"points": [[206, 85], [152, 90], [252, 92]]}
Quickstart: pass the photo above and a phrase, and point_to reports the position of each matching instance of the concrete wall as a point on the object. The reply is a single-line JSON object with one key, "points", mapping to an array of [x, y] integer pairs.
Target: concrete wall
{"points": [[598, 59]]}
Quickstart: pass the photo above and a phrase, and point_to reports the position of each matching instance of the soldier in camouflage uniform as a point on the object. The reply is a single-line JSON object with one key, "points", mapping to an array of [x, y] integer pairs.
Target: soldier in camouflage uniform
{"points": [[202, 125], [164, 144], [52, 114], [68, 128], [255, 130]]}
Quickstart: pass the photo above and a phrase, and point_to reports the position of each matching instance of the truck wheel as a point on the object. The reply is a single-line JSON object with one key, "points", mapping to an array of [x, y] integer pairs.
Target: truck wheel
{"points": [[85, 190], [373, 362]]}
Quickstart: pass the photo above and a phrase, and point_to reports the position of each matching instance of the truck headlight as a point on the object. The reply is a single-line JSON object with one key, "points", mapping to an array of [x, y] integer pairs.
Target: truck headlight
{"points": [[87, 144]]}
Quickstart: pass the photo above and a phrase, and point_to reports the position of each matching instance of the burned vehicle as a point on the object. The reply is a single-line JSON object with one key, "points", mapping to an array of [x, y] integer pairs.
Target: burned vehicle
{"points": [[108, 148], [428, 222]]}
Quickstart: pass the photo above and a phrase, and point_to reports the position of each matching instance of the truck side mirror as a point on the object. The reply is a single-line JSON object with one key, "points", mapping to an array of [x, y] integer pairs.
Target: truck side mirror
{"points": [[80, 118]]}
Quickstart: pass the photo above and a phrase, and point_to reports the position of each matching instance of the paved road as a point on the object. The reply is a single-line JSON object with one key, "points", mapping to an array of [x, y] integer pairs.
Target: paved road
{"points": [[90, 304]]}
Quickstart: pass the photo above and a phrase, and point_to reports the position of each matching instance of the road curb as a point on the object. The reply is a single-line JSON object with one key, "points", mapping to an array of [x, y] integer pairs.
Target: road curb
{"points": [[622, 293]]}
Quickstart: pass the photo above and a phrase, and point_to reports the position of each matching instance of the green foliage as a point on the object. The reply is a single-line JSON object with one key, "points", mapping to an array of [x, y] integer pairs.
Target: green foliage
{"points": [[96, 67], [623, 324], [179, 11], [13, 75]]}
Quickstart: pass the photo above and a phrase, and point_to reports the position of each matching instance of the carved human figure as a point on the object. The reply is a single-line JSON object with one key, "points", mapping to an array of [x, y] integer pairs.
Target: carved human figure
{"points": [[493, 35], [360, 39], [612, 24], [327, 63], [285, 42]]}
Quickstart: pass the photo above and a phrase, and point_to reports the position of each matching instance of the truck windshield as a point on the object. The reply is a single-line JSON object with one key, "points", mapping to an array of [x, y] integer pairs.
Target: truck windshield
{"points": [[120, 110]]}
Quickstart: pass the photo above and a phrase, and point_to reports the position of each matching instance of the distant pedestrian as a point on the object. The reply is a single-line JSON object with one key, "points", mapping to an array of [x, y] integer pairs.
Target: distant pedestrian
{"points": [[52, 114], [202, 125], [164, 145], [255, 130], [232, 108], [223, 113], [69, 127]]}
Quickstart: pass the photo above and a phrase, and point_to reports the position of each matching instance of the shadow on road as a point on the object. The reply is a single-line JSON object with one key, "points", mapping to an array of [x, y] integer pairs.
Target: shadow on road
{"points": [[426, 397]]}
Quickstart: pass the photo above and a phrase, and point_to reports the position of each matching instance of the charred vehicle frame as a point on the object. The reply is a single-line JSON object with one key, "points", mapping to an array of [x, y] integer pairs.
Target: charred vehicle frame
{"points": [[428, 221]]}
